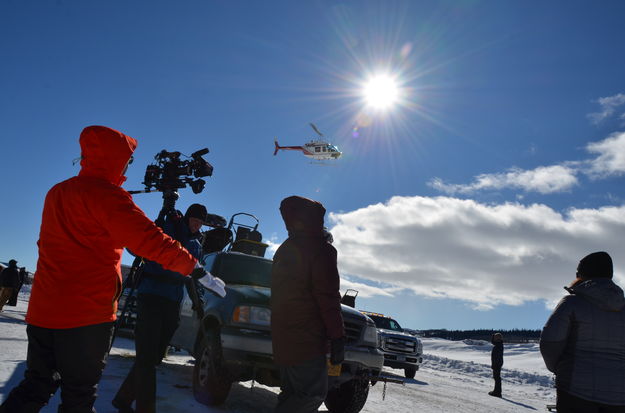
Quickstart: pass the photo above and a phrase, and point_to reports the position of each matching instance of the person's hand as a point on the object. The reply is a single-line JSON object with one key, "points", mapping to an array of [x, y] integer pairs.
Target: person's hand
{"points": [[198, 273], [337, 350]]}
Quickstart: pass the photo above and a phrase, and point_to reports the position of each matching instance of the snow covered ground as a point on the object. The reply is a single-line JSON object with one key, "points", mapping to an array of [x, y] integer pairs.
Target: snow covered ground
{"points": [[455, 377]]}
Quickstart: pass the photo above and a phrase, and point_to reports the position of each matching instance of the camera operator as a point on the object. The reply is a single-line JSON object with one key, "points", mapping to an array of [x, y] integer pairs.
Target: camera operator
{"points": [[158, 314], [87, 221]]}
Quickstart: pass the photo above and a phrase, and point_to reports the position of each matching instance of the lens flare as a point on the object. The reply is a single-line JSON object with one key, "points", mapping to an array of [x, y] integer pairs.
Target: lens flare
{"points": [[381, 92]]}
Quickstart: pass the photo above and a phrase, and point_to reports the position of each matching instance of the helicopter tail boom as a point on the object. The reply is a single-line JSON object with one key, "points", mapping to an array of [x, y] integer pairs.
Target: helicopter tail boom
{"points": [[287, 148]]}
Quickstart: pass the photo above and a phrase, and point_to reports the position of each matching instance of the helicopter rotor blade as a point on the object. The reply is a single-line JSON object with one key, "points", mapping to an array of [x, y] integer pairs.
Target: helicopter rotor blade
{"points": [[315, 129]]}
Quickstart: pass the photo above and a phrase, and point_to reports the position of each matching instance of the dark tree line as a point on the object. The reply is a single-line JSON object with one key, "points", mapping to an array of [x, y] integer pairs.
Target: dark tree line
{"points": [[510, 336]]}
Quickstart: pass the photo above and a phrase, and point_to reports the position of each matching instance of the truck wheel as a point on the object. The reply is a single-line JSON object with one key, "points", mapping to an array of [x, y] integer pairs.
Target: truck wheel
{"points": [[349, 397], [410, 372], [211, 383]]}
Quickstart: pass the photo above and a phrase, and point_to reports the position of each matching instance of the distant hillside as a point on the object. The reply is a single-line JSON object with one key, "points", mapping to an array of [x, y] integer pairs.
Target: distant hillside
{"points": [[510, 336]]}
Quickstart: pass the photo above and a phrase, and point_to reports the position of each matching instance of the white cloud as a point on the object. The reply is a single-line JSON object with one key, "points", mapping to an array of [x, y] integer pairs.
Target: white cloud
{"points": [[611, 156], [609, 161], [608, 107], [272, 246], [544, 179], [461, 249]]}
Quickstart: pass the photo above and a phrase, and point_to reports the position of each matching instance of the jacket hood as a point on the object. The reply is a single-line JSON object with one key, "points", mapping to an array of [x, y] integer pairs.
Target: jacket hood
{"points": [[302, 216], [602, 292], [105, 153]]}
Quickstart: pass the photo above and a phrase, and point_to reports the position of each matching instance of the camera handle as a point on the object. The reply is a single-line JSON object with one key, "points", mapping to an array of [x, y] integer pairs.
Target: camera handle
{"points": [[169, 205]]}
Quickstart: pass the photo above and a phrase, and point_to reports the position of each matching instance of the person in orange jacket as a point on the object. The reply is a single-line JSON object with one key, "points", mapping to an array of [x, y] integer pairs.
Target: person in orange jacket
{"points": [[87, 221]]}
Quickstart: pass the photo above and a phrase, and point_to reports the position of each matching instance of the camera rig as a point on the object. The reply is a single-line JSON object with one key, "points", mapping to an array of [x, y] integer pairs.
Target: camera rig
{"points": [[170, 173]]}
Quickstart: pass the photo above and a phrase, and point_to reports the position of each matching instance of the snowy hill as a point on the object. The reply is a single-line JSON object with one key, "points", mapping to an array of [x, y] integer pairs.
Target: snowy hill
{"points": [[455, 377]]}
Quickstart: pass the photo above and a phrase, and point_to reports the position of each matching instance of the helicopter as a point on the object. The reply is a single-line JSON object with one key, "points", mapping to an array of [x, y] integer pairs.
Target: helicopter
{"points": [[315, 149]]}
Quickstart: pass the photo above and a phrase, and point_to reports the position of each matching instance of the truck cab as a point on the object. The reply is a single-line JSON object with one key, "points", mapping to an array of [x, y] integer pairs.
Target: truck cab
{"points": [[401, 350]]}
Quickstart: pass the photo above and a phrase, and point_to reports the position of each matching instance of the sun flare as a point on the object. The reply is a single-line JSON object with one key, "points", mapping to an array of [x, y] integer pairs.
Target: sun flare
{"points": [[381, 92]]}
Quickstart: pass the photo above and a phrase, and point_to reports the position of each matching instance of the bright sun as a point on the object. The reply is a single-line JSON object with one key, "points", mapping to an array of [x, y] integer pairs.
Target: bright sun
{"points": [[381, 92]]}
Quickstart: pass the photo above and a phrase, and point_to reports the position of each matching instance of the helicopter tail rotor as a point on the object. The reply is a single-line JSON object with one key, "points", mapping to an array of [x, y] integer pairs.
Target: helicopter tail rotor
{"points": [[275, 151], [316, 130]]}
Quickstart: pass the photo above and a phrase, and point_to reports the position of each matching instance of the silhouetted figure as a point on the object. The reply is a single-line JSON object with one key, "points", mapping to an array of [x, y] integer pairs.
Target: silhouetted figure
{"points": [[20, 281], [9, 282], [583, 341], [496, 362], [158, 314], [306, 319]]}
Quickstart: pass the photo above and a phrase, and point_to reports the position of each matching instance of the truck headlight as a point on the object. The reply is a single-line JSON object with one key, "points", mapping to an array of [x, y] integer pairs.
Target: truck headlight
{"points": [[370, 335], [248, 314]]}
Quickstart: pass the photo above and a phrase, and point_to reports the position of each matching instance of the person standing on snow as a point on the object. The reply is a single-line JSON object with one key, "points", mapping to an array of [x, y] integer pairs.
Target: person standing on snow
{"points": [[583, 341], [496, 362], [10, 280], [21, 277], [87, 221], [305, 308], [158, 314]]}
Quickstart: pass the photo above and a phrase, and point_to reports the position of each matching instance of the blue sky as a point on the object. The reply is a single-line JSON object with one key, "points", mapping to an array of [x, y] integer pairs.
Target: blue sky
{"points": [[465, 205]]}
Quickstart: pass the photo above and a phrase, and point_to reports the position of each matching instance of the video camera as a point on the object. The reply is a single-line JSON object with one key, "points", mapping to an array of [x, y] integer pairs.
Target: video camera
{"points": [[169, 172]]}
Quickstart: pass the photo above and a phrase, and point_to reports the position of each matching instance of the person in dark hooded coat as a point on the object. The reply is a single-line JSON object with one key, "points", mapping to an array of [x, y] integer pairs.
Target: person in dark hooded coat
{"points": [[583, 341], [306, 320], [496, 362]]}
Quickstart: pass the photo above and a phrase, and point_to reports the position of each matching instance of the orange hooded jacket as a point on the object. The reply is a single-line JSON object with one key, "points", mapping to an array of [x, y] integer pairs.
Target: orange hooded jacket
{"points": [[87, 220]]}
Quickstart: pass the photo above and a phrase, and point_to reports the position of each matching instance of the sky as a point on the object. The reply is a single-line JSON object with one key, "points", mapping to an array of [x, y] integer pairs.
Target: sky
{"points": [[465, 202]]}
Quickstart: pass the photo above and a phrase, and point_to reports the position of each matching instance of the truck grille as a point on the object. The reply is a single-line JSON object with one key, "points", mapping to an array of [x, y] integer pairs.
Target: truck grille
{"points": [[399, 345], [352, 332]]}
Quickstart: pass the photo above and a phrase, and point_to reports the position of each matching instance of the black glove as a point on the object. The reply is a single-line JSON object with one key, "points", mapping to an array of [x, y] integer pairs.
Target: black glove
{"points": [[337, 350], [198, 273]]}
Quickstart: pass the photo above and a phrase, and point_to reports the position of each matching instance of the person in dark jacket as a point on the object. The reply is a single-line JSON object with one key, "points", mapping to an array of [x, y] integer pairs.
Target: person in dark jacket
{"points": [[158, 314], [10, 282], [496, 362], [583, 341], [16, 291], [306, 320], [87, 220]]}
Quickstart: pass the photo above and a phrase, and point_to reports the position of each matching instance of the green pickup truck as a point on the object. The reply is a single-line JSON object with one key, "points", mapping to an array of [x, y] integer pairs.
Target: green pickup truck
{"points": [[230, 337]]}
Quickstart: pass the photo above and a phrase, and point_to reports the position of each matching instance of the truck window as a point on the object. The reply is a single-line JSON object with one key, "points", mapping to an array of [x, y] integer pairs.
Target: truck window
{"points": [[207, 261], [386, 323], [243, 269]]}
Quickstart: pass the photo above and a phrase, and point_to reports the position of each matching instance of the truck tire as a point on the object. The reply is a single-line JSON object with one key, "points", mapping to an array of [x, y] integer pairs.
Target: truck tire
{"points": [[410, 372], [349, 397], [211, 382]]}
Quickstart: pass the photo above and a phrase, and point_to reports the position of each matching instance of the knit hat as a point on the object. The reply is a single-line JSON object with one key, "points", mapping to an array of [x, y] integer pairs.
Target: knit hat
{"points": [[595, 265], [196, 211]]}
